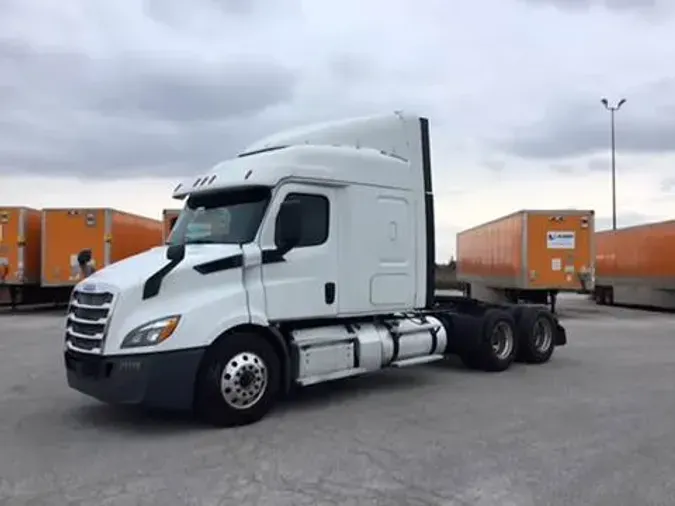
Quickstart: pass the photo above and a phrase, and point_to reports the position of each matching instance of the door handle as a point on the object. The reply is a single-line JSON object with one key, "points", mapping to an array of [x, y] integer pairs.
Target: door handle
{"points": [[329, 292]]}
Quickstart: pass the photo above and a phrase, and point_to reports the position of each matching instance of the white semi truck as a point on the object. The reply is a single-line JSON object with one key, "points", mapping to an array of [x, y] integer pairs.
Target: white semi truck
{"points": [[307, 258]]}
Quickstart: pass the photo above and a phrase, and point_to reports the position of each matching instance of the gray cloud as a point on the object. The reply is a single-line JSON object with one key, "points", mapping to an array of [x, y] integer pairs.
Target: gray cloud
{"points": [[562, 168], [122, 146], [668, 185], [645, 125], [164, 87], [66, 112], [618, 5], [169, 88], [190, 91], [352, 67], [174, 12], [624, 219], [599, 164], [495, 165]]}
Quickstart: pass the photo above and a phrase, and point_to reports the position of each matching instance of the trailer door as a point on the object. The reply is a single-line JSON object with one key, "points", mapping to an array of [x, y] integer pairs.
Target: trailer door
{"points": [[559, 249], [10, 261]]}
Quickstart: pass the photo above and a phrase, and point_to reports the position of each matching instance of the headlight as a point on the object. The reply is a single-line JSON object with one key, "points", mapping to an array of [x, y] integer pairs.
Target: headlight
{"points": [[151, 333]]}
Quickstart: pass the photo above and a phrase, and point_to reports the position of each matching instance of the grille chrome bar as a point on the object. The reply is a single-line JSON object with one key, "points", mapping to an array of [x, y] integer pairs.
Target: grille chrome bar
{"points": [[87, 321]]}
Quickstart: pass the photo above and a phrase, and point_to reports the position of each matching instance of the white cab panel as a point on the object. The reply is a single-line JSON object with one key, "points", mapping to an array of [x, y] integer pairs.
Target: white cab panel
{"points": [[378, 250], [297, 287], [385, 132]]}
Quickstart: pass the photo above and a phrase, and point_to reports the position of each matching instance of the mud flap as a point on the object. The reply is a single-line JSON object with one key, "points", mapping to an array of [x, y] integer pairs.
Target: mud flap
{"points": [[560, 335]]}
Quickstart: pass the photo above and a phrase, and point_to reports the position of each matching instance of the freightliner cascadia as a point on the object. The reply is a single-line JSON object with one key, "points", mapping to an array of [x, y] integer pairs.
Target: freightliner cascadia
{"points": [[307, 258]]}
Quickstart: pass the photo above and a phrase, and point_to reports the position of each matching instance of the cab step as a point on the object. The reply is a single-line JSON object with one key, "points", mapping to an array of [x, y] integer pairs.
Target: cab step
{"points": [[417, 360], [319, 378]]}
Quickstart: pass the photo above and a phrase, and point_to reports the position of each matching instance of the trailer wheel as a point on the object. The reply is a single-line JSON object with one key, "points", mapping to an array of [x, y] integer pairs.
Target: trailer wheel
{"points": [[498, 345], [238, 382], [536, 328]]}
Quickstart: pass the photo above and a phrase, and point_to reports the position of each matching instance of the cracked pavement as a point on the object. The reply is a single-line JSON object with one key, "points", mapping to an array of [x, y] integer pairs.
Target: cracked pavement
{"points": [[594, 426]]}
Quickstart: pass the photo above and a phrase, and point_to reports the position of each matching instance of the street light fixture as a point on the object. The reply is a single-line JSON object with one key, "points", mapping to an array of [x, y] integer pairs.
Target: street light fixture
{"points": [[612, 110]]}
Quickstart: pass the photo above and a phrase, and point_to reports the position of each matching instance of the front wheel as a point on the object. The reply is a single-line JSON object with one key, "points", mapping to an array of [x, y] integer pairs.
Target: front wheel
{"points": [[238, 381]]}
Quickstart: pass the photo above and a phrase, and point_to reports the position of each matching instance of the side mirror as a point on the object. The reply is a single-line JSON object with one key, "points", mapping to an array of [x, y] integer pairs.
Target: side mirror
{"points": [[175, 253], [288, 228]]}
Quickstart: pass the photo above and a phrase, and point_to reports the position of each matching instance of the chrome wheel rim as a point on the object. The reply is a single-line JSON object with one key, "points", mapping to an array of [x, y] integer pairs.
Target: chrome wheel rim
{"points": [[502, 340], [543, 335], [244, 380]]}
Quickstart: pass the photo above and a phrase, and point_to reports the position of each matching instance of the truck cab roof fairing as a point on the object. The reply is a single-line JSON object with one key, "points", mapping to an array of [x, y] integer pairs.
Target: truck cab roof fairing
{"points": [[386, 134]]}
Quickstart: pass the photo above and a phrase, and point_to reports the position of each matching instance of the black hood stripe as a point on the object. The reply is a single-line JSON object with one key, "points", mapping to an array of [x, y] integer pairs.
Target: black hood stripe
{"points": [[220, 264], [153, 283], [269, 256]]}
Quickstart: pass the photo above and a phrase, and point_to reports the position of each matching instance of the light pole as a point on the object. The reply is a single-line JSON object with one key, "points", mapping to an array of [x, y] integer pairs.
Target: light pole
{"points": [[612, 110]]}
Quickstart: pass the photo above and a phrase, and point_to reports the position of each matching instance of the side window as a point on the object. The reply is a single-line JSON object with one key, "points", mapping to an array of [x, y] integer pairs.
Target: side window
{"points": [[315, 218]]}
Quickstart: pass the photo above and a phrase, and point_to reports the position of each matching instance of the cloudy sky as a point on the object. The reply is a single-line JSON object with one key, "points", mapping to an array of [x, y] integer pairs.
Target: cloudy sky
{"points": [[109, 103]]}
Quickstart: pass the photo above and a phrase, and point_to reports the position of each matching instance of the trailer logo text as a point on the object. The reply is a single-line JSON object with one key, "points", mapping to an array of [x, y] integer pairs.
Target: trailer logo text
{"points": [[560, 240]]}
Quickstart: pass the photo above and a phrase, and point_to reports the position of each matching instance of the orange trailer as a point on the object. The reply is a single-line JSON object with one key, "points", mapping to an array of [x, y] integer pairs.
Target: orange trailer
{"points": [[636, 266], [19, 246], [19, 253], [529, 255], [108, 235], [169, 217]]}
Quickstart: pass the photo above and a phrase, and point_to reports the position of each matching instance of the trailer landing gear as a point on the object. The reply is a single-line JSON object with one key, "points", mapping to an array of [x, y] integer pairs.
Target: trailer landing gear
{"points": [[553, 298]]}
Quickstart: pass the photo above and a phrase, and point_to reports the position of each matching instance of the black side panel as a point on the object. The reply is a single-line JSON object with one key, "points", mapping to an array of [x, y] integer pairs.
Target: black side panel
{"points": [[175, 254], [429, 213], [154, 282], [235, 261], [222, 264]]}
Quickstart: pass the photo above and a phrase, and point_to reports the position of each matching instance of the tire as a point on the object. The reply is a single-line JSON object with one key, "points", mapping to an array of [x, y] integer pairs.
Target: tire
{"points": [[536, 330], [237, 357], [498, 344], [515, 310], [471, 361]]}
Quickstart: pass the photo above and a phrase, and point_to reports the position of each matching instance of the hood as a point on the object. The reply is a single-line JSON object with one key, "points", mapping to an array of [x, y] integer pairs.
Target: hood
{"points": [[135, 270]]}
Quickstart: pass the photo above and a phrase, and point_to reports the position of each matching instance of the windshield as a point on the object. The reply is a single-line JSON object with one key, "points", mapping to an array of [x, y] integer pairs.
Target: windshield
{"points": [[224, 217]]}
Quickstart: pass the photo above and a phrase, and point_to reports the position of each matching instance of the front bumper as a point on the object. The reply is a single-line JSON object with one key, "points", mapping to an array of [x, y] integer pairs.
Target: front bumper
{"points": [[158, 380]]}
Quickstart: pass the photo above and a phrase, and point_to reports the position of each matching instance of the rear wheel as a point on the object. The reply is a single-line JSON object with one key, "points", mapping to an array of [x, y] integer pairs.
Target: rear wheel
{"points": [[471, 360], [238, 381], [498, 346], [536, 328]]}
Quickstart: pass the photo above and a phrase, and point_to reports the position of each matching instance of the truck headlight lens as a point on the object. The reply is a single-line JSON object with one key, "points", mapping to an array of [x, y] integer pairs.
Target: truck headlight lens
{"points": [[151, 333]]}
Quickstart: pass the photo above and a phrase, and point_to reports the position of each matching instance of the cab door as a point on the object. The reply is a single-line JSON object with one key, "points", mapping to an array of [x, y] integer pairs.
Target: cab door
{"points": [[303, 284]]}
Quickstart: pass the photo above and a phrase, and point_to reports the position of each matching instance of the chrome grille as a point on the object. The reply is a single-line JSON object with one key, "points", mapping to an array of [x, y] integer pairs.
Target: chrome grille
{"points": [[92, 299], [87, 321]]}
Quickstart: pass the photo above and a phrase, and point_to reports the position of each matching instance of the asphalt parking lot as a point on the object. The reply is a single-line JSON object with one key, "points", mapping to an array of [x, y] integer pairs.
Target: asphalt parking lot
{"points": [[593, 426]]}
